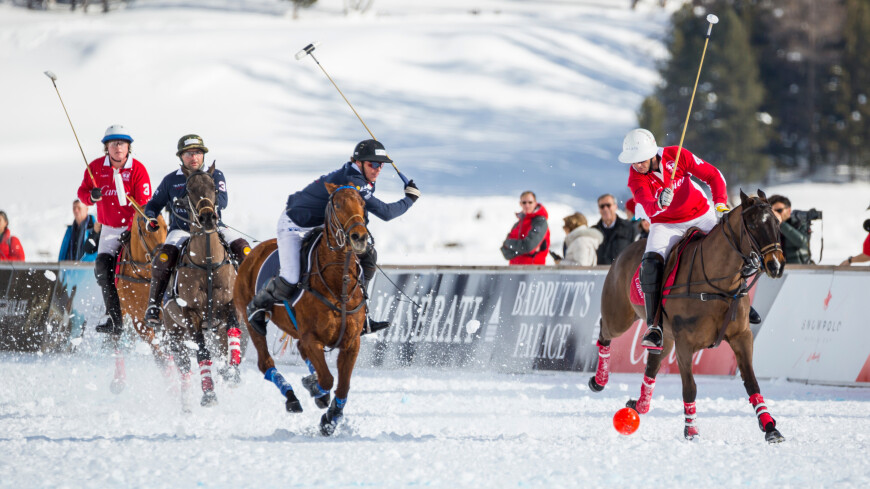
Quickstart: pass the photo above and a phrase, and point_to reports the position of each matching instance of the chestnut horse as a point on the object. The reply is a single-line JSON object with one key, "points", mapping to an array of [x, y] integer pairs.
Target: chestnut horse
{"points": [[204, 299], [133, 282], [330, 313], [707, 304]]}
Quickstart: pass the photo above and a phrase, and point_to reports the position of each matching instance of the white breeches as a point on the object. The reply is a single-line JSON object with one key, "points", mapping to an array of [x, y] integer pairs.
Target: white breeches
{"points": [[289, 245], [110, 239], [177, 237], [664, 235]]}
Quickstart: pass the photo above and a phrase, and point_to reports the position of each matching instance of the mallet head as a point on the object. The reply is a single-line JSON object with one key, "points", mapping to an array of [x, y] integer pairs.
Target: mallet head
{"points": [[711, 18], [307, 50], [51, 75]]}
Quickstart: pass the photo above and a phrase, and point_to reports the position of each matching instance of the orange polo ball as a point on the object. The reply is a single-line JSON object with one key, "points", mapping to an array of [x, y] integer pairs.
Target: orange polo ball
{"points": [[626, 421]]}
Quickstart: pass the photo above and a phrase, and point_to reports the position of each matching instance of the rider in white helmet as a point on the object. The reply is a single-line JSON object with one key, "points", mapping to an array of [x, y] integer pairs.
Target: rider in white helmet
{"points": [[672, 205]]}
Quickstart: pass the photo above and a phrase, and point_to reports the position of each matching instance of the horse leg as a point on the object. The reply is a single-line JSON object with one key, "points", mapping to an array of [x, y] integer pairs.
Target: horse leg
{"points": [[653, 364], [742, 346], [690, 391], [602, 372], [182, 362], [335, 413], [267, 366], [230, 372], [203, 356], [319, 383]]}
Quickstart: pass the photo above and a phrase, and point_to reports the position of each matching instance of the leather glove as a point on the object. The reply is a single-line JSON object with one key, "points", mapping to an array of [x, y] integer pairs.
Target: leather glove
{"points": [[666, 197], [721, 210], [412, 191], [153, 226], [96, 194]]}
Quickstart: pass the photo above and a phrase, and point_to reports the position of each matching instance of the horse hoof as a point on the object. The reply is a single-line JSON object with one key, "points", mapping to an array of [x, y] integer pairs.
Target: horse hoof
{"points": [[209, 398], [310, 383], [594, 385], [773, 436], [327, 426], [632, 403], [691, 433], [293, 405], [231, 375], [117, 386]]}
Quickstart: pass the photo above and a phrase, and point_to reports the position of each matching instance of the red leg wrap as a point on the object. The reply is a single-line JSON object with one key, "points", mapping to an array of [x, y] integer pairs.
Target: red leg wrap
{"points": [[646, 390], [764, 417], [235, 345], [602, 374], [205, 373], [691, 429], [120, 369]]}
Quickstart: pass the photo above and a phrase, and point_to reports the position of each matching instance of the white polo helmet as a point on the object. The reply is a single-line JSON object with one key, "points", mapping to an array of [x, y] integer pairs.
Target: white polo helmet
{"points": [[638, 145], [117, 132]]}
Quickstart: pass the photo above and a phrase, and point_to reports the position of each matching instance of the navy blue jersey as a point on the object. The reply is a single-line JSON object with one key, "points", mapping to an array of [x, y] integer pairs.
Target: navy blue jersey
{"points": [[307, 207], [171, 192]]}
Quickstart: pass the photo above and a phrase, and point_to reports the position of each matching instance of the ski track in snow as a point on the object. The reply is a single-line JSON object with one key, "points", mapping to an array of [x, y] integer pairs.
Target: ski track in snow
{"points": [[60, 427]]}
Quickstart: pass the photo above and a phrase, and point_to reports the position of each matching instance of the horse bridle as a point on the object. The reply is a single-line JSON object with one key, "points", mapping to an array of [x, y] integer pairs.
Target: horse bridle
{"points": [[202, 205], [757, 252], [338, 230]]}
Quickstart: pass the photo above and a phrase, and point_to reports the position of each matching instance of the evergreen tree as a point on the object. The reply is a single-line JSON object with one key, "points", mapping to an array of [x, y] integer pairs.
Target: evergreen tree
{"points": [[652, 117], [724, 126]]}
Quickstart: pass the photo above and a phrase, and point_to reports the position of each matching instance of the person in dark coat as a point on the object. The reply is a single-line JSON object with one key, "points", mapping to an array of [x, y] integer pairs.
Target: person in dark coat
{"points": [[618, 232]]}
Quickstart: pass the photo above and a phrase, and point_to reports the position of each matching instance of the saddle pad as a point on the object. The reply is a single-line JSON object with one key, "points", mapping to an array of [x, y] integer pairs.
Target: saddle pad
{"points": [[636, 294], [272, 265]]}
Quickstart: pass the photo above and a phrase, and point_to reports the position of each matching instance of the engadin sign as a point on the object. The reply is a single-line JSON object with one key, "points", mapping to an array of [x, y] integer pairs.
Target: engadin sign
{"points": [[508, 320]]}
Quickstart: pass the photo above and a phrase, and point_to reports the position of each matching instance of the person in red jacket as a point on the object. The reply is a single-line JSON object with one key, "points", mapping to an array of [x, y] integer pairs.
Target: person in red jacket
{"points": [[10, 247], [117, 178], [528, 243], [672, 206]]}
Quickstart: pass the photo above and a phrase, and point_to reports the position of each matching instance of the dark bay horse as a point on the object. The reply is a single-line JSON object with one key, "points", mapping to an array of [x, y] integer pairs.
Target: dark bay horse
{"points": [[330, 313], [204, 299], [707, 303], [133, 282]]}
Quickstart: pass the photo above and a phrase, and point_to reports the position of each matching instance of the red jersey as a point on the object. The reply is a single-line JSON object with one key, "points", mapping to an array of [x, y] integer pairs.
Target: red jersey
{"points": [[137, 185], [689, 201], [537, 256], [10, 247], [867, 245]]}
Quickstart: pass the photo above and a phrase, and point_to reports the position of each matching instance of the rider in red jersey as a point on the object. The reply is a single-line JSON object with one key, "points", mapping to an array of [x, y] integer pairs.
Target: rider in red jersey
{"points": [[119, 178]]}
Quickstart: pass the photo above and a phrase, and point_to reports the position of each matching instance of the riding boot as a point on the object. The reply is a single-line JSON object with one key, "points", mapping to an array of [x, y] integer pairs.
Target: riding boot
{"points": [[651, 273], [754, 317], [104, 271], [276, 290], [239, 249], [161, 269], [368, 262]]}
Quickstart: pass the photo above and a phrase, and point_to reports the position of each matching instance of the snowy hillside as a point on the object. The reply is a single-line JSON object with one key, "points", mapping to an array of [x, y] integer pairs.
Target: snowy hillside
{"points": [[476, 101]]}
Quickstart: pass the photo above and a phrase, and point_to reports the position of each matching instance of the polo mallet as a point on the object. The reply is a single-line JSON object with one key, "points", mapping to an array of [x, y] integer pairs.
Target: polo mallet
{"points": [[712, 19], [118, 182], [309, 51]]}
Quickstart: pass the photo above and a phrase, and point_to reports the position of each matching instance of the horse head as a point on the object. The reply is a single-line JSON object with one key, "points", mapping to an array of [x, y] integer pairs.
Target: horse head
{"points": [[344, 217], [762, 228], [201, 197]]}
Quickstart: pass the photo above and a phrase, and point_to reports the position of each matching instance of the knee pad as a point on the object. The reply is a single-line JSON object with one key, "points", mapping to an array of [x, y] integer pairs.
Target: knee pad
{"points": [[165, 258], [240, 248], [652, 268], [104, 269]]}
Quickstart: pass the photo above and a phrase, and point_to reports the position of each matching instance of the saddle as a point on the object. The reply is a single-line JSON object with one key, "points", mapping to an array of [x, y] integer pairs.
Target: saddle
{"points": [[671, 267], [271, 265]]}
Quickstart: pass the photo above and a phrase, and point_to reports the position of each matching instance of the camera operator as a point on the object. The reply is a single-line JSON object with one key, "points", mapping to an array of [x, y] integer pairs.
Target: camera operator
{"points": [[865, 255], [795, 229]]}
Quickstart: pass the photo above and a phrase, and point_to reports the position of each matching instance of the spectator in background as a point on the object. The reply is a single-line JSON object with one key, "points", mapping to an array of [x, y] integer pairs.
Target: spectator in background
{"points": [[795, 229], [581, 242], [81, 239], [529, 240], [865, 254], [618, 232], [10, 247]]}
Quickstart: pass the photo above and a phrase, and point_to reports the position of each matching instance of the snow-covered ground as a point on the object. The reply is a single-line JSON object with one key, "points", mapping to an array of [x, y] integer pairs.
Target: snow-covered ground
{"points": [[60, 427]]}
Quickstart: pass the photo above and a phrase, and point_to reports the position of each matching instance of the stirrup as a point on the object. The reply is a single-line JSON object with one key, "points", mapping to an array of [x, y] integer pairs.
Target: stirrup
{"points": [[373, 326], [152, 316], [652, 340], [108, 326]]}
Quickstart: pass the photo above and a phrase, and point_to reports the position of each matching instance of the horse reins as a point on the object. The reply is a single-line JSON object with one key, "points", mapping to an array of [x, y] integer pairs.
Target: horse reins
{"points": [[127, 258], [750, 268]]}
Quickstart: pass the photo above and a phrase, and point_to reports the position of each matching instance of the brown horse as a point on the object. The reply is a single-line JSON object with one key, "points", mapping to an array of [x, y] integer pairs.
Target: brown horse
{"points": [[330, 313], [709, 303], [204, 299]]}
